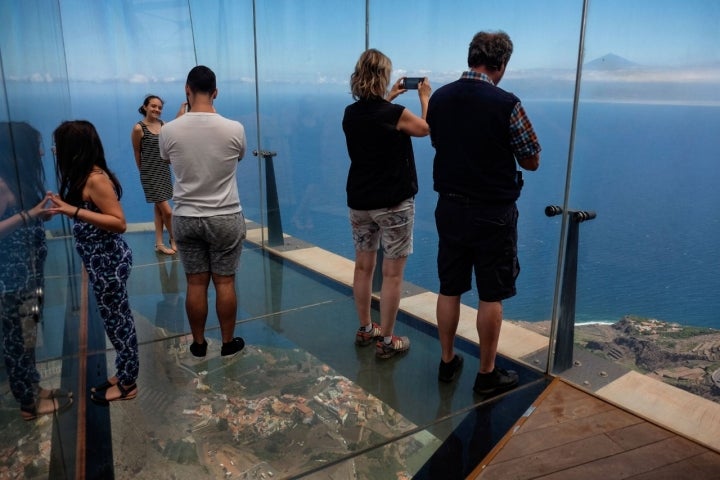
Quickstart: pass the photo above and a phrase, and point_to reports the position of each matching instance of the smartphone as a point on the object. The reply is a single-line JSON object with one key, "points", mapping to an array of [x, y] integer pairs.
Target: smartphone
{"points": [[411, 83], [187, 104]]}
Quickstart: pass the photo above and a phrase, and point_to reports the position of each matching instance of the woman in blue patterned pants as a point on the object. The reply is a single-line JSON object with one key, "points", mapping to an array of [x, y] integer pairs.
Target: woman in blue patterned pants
{"points": [[90, 194]]}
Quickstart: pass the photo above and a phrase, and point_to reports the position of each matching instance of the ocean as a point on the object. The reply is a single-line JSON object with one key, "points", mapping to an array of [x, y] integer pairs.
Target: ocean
{"points": [[649, 171]]}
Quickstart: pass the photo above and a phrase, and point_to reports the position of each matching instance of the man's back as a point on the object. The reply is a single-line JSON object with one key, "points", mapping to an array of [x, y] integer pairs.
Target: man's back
{"points": [[470, 129], [203, 150]]}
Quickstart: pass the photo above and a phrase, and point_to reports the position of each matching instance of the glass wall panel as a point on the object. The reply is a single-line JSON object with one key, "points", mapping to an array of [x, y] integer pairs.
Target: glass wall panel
{"points": [[433, 42], [35, 86], [34, 98], [223, 39], [34, 286], [306, 53], [646, 162], [117, 54]]}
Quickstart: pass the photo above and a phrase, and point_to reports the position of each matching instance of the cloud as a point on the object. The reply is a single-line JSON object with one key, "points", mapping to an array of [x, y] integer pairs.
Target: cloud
{"points": [[641, 75], [330, 80], [628, 75], [142, 78], [40, 78], [138, 78]]}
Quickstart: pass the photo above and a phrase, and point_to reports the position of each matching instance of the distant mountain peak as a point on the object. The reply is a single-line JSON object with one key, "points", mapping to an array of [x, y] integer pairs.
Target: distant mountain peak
{"points": [[610, 61]]}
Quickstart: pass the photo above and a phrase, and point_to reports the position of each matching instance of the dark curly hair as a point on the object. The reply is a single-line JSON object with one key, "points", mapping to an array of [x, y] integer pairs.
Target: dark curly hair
{"points": [[491, 49], [201, 79], [143, 108]]}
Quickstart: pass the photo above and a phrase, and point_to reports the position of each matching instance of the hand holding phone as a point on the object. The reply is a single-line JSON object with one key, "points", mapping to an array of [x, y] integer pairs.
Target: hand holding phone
{"points": [[411, 83], [184, 108]]}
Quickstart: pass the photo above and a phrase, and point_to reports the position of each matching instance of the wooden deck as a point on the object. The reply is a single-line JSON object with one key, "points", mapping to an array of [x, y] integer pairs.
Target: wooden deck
{"points": [[571, 434]]}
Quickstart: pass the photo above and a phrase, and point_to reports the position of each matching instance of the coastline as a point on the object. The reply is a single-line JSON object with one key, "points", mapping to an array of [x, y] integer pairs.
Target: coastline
{"points": [[683, 356]]}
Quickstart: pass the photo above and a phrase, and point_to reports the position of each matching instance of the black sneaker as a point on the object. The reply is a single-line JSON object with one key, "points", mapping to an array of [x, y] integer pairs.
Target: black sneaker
{"points": [[232, 347], [499, 380], [199, 349], [450, 370]]}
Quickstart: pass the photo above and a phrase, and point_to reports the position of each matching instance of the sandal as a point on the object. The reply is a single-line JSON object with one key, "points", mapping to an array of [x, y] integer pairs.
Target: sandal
{"points": [[161, 248], [45, 406], [126, 393], [103, 386]]}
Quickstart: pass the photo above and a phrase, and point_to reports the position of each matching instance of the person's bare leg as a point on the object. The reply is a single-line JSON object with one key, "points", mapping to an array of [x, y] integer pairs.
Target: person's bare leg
{"points": [[448, 316], [157, 221], [489, 321], [362, 284], [196, 304], [225, 305], [392, 270], [166, 219]]}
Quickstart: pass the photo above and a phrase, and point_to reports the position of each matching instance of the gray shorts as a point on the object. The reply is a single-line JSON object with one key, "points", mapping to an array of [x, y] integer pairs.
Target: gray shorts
{"points": [[210, 244], [394, 225]]}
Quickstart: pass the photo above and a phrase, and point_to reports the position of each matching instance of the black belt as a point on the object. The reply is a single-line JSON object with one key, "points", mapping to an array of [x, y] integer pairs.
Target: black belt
{"points": [[470, 201], [463, 199]]}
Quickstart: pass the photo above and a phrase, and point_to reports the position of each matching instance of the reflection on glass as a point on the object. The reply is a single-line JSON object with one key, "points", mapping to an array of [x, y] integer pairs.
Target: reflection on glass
{"points": [[170, 313], [22, 241]]}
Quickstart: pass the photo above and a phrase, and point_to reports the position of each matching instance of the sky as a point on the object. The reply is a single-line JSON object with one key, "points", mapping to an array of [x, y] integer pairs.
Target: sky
{"points": [[318, 41]]}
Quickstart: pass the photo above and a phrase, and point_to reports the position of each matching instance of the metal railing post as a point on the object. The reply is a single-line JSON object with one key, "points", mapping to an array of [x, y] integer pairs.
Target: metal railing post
{"points": [[565, 329], [274, 221]]}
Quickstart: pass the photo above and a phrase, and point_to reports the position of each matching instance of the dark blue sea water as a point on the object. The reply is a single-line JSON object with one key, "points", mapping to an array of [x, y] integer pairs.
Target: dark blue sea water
{"points": [[650, 172]]}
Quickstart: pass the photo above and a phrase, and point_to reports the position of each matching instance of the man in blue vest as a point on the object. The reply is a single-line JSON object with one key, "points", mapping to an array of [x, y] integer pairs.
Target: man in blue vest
{"points": [[480, 134]]}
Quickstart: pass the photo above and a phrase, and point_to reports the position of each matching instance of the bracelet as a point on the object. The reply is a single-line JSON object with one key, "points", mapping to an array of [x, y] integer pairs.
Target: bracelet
{"points": [[75, 215], [24, 216]]}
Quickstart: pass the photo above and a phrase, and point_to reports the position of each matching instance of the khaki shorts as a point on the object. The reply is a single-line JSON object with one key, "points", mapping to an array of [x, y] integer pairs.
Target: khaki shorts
{"points": [[394, 226]]}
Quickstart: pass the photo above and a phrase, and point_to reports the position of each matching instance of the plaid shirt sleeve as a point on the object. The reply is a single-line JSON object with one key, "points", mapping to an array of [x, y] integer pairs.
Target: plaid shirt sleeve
{"points": [[523, 140]]}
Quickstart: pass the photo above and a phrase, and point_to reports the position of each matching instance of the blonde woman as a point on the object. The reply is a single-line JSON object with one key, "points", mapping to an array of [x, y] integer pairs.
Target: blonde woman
{"points": [[381, 188]]}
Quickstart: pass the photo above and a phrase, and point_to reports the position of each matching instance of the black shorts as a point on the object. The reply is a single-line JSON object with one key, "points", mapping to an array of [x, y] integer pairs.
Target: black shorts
{"points": [[482, 238]]}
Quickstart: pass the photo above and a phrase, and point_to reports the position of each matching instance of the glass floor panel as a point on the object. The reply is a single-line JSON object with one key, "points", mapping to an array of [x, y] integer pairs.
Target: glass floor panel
{"points": [[300, 400]]}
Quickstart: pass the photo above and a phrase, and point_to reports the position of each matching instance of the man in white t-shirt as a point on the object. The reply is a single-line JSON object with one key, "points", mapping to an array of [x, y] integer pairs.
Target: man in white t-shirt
{"points": [[203, 149]]}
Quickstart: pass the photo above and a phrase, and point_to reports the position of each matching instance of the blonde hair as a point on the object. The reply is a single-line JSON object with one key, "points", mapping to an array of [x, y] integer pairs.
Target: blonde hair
{"points": [[371, 76]]}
